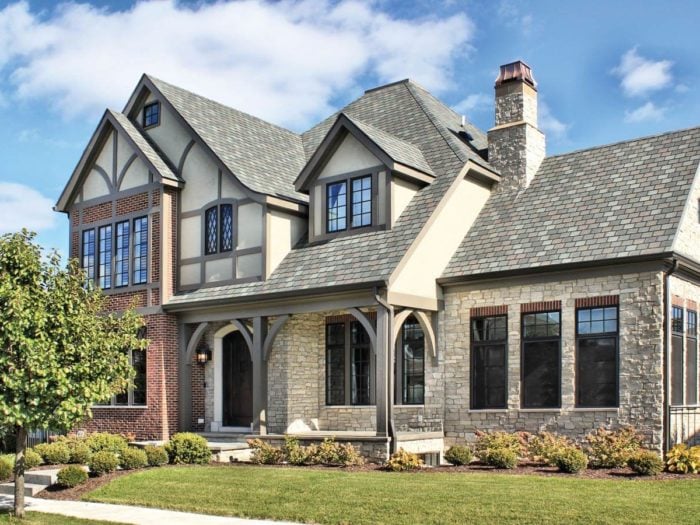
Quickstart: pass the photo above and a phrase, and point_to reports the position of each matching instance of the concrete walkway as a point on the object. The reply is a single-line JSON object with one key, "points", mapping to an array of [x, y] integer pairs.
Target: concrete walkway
{"points": [[129, 514]]}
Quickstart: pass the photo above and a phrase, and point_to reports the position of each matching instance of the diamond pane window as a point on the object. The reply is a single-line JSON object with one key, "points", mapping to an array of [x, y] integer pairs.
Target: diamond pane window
{"points": [[362, 202], [151, 115], [336, 206], [140, 250], [211, 222], [226, 227], [89, 253], [121, 259], [105, 257]]}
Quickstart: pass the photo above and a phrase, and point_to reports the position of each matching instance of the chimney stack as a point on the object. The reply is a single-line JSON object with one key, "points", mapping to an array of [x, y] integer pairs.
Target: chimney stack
{"points": [[516, 145]]}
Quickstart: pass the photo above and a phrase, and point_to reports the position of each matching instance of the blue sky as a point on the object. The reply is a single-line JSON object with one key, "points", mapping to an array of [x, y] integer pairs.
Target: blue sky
{"points": [[607, 71]]}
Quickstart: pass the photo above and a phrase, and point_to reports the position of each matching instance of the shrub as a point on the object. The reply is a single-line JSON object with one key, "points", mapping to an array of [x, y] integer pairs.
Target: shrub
{"points": [[79, 453], [489, 441], [31, 459], [646, 463], [329, 452], [53, 453], [101, 441], [188, 448], [5, 470], [294, 453], [459, 455], [543, 447], [133, 458], [264, 453], [501, 458], [71, 476], [612, 448], [103, 462], [402, 460], [684, 459], [570, 459], [156, 456]]}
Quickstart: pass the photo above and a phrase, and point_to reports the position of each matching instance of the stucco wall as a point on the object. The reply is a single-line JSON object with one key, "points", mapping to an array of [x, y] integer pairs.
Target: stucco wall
{"points": [[687, 240]]}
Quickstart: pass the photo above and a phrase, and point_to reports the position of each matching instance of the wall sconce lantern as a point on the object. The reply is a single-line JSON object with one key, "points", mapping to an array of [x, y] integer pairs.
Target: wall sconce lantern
{"points": [[203, 355]]}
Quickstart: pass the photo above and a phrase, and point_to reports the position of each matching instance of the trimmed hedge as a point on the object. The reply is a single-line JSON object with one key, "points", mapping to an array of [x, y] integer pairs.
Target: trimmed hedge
{"points": [[459, 455], [505, 458], [156, 456], [100, 441], [570, 460], [103, 462], [31, 459], [402, 461], [5, 470], [646, 463], [188, 448], [133, 458], [53, 453], [71, 476]]}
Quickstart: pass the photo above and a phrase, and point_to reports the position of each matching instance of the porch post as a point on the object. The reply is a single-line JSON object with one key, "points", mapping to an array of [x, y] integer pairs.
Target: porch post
{"points": [[185, 380], [383, 371], [259, 375]]}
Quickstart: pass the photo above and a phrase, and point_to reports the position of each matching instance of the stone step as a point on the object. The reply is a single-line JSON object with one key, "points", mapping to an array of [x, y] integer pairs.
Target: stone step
{"points": [[41, 477], [30, 489], [225, 436]]}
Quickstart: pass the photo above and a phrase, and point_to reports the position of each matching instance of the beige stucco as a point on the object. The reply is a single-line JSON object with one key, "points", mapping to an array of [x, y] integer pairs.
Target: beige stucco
{"points": [[248, 265], [425, 261], [687, 241], [191, 237], [106, 156], [250, 225], [401, 194], [201, 180], [95, 185], [190, 274], [170, 136], [283, 231], [218, 270], [230, 188], [136, 175], [350, 156]]}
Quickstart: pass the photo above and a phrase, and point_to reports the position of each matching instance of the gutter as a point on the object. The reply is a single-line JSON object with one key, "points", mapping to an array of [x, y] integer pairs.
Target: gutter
{"points": [[667, 352]]}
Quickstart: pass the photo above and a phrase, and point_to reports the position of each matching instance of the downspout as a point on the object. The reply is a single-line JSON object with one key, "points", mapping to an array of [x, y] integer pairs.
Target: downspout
{"points": [[667, 353], [390, 349]]}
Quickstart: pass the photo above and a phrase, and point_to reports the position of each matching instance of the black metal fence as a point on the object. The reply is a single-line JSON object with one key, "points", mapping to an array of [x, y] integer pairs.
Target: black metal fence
{"points": [[684, 425]]}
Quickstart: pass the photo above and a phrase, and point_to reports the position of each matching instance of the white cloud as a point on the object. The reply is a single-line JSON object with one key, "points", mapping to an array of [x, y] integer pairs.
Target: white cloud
{"points": [[24, 207], [283, 61], [551, 125], [648, 111], [473, 103], [640, 76]]}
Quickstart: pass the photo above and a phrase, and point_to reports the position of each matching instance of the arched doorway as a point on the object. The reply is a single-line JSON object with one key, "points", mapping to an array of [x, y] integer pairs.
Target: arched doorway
{"points": [[237, 379]]}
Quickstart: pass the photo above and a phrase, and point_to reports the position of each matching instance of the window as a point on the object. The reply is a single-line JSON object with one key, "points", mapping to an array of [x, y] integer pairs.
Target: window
{"points": [[89, 254], [336, 206], [541, 360], [140, 250], [135, 395], [121, 259], [218, 224], [361, 202], [105, 257], [677, 355], [151, 114], [597, 332], [412, 363], [349, 364], [691, 357], [489, 348]]}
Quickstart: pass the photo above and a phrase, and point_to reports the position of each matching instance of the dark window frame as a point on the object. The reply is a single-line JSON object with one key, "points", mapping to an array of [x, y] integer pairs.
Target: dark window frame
{"points": [[677, 356], [119, 257], [401, 368], [218, 244], [348, 362], [523, 342], [692, 394], [129, 394], [351, 199], [475, 344], [89, 268], [597, 335], [142, 245], [105, 269], [328, 208], [146, 114]]}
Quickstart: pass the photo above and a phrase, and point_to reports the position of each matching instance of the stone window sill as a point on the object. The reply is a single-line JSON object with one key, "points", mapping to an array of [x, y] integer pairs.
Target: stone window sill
{"points": [[599, 409], [120, 407], [539, 410], [488, 411]]}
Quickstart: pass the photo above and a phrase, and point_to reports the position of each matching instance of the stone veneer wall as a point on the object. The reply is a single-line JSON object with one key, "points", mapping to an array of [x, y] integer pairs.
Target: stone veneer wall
{"points": [[641, 357]]}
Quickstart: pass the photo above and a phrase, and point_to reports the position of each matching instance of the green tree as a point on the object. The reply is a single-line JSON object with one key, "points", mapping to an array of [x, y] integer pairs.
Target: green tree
{"points": [[60, 353]]}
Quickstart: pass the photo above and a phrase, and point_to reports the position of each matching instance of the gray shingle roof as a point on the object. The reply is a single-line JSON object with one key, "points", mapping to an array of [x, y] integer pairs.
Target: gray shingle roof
{"points": [[144, 145], [264, 157], [609, 202]]}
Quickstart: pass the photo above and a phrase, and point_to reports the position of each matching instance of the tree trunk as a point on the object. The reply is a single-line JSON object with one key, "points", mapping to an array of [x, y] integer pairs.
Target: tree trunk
{"points": [[21, 447]]}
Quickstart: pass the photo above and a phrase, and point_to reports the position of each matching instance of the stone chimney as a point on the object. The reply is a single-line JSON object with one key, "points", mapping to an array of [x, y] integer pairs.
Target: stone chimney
{"points": [[516, 145]]}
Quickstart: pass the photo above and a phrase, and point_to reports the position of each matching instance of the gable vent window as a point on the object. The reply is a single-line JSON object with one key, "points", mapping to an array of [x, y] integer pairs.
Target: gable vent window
{"points": [[218, 224], [151, 115]]}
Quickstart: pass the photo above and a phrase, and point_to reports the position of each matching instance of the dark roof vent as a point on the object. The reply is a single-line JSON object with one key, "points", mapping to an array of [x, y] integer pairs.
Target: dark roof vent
{"points": [[516, 71]]}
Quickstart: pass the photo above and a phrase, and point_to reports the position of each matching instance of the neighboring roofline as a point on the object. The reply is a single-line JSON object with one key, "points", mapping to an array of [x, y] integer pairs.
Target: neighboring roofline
{"points": [[89, 154], [256, 298], [533, 270], [625, 141]]}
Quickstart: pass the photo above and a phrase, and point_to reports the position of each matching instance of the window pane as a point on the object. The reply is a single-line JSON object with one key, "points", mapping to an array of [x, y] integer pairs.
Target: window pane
{"points": [[488, 376], [336, 206], [413, 354], [335, 364], [691, 323], [89, 254], [597, 320], [596, 372], [151, 114], [211, 221], [360, 363], [677, 319], [489, 328], [362, 202], [226, 227], [139, 363], [105, 257], [121, 259], [677, 370], [691, 368], [540, 369], [543, 324], [140, 250]]}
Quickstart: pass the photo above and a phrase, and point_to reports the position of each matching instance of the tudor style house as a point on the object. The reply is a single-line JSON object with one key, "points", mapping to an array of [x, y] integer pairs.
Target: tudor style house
{"points": [[394, 276]]}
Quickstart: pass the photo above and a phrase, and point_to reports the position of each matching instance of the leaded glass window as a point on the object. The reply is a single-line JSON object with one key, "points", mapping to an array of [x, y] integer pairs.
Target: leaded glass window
{"points": [[89, 253], [361, 202], [541, 360], [121, 259], [336, 206], [105, 257], [226, 227], [140, 250], [596, 357], [211, 221], [412, 363], [349, 364]]}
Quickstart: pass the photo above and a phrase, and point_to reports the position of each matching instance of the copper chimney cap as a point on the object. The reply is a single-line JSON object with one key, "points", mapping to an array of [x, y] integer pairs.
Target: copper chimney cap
{"points": [[518, 70]]}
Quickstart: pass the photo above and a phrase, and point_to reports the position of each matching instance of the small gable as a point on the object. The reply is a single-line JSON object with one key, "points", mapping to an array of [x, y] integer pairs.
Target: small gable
{"points": [[350, 156]]}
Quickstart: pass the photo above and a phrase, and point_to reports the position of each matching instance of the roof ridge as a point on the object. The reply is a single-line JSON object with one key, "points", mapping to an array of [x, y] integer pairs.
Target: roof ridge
{"points": [[231, 108], [625, 141]]}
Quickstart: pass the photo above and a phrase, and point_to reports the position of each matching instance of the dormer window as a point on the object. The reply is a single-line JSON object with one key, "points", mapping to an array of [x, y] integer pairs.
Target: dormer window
{"points": [[360, 204], [151, 115]]}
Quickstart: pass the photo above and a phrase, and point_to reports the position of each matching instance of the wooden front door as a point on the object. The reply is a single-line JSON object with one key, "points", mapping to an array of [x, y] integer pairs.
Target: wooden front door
{"points": [[238, 382]]}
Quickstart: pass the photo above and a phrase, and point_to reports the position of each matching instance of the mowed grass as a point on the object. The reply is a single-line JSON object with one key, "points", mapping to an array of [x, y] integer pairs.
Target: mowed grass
{"points": [[334, 496], [39, 518]]}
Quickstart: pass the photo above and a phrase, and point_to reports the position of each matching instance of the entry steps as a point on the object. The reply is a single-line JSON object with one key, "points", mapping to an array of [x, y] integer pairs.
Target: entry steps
{"points": [[34, 482]]}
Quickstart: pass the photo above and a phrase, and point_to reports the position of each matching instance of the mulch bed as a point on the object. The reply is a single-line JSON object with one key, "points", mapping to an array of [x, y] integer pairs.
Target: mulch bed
{"points": [[76, 493]]}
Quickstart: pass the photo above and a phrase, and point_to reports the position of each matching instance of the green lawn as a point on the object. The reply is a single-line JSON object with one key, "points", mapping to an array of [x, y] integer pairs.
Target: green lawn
{"points": [[39, 518], [334, 496]]}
